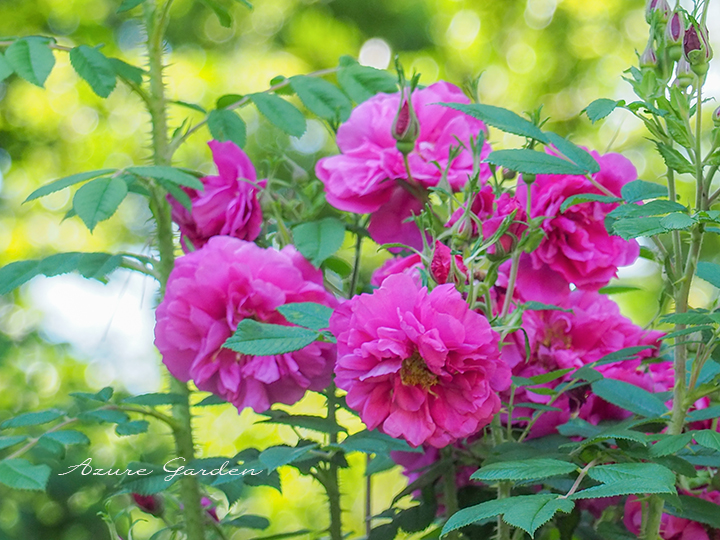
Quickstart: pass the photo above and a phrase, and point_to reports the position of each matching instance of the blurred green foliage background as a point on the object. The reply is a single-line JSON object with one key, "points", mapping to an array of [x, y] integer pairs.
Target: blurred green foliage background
{"points": [[560, 54]]}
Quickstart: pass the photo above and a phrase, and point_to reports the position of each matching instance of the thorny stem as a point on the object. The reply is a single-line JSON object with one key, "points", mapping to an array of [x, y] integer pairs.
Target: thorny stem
{"points": [[332, 484], [504, 488], [450, 490], [156, 23]]}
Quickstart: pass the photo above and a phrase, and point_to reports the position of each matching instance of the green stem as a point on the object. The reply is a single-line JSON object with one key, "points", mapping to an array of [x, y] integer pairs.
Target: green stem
{"points": [[511, 283], [676, 263], [356, 266], [450, 491], [332, 484], [504, 489], [156, 22]]}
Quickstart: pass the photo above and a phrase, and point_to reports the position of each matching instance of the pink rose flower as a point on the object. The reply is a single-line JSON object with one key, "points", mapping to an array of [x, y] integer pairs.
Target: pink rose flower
{"points": [[672, 527], [362, 179], [214, 288], [577, 245], [228, 205], [418, 365], [410, 265]]}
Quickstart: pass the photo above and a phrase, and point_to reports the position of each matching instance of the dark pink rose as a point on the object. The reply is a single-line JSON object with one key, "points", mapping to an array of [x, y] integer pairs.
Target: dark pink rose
{"points": [[228, 205], [410, 265], [577, 245], [214, 288], [418, 365]]}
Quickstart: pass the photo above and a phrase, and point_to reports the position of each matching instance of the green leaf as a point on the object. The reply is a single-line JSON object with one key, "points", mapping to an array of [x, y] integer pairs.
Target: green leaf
{"points": [[170, 174], [624, 487], [670, 444], [537, 406], [580, 198], [363, 82], [67, 181], [618, 289], [31, 58], [501, 119], [104, 416], [677, 221], [640, 190], [600, 108], [532, 162], [277, 456], [127, 71], [7, 442], [545, 378], [674, 159], [155, 399], [95, 68], [211, 400], [614, 531], [307, 314], [532, 305], [690, 317], [134, 427], [629, 228], [21, 474], [586, 373], [580, 157], [704, 414], [322, 98], [98, 200], [32, 419], [306, 421], [577, 427], [127, 5], [655, 208], [696, 509], [708, 439], [177, 193], [5, 68], [146, 479], [530, 469], [710, 272], [102, 396], [260, 339], [227, 126], [248, 521], [220, 11], [223, 102], [280, 113], [629, 397], [535, 510], [318, 240], [67, 437], [614, 433], [371, 442], [479, 512], [632, 472]]}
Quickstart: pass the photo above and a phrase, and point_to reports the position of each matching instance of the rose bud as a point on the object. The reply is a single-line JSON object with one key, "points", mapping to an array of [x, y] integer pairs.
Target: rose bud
{"points": [[716, 117], [674, 34], [405, 128], [696, 48], [657, 10], [150, 504], [210, 509], [683, 73], [648, 59]]}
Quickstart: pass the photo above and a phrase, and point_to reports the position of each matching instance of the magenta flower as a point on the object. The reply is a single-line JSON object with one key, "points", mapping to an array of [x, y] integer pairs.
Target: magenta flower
{"points": [[364, 177], [577, 245], [151, 504], [228, 205], [673, 527], [418, 365], [410, 265], [214, 288]]}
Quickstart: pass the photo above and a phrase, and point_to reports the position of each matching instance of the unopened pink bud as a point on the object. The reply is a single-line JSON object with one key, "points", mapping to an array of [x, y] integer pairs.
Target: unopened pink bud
{"points": [[675, 29], [716, 117], [405, 128], [696, 48], [648, 59], [151, 504], [657, 10]]}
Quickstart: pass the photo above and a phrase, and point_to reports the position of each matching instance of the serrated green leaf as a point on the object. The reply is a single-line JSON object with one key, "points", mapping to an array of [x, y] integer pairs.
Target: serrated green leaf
{"points": [[534, 511], [537, 406], [318, 240], [629, 228], [223, 102], [580, 198], [708, 439], [169, 174], [371, 442], [133, 427], [502, 119], [704, 414], [128, 5], [177, 193], [5, 68], [12, 440], [306, 421], [710, 272], [211, 400], [363, 82], [102, 396], [95, 68], [624, 487], [655, 208], [636, 472], [155, 399], [690, 318], [600, 108], [586, 373], [539, 306], [109, 416], [696, 509], [321, 97], [220, 11], [479, 512], [627, 353], [670, 444], [545, 378], [50, 445], [530, 469], [629, 397], [31, 58], [146, 479], [260, 339], [532, 162], [677, 221], [227, 126], [615, 434], [277, 456], [580, 157], [32, 419], [98, 200], [280, 113], [248, 521], [674, 159], [127, 71], [21, 474], [307, 314], [577, 427], [67, 181], [67, 437], [640, 190]]}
